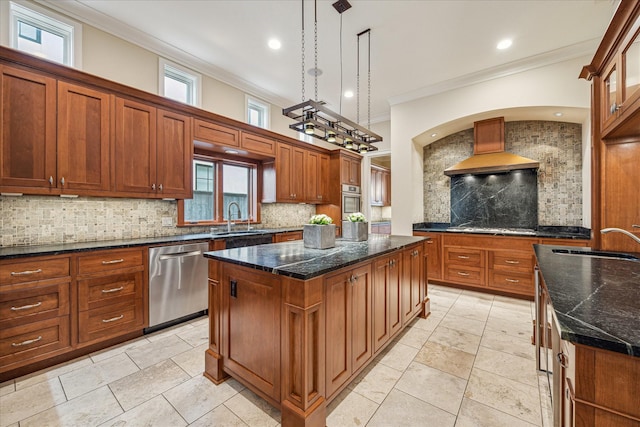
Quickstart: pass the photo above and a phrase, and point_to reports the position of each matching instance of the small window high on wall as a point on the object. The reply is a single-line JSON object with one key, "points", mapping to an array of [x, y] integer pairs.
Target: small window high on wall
{"points": [[179, 83], [257, 113], [42, 33]]}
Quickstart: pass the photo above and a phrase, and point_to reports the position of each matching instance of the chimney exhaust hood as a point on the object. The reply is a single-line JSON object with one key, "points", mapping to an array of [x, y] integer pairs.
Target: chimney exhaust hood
{"points": [[489, 155]]}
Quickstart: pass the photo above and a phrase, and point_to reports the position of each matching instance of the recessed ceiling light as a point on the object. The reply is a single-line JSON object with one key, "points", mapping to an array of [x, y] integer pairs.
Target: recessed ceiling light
{"points": [[433, 135], [348, 94], [504, 44], [275, 44], [558, 114]]}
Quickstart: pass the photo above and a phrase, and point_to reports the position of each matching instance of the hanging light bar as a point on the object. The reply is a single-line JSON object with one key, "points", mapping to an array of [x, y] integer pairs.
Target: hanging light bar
{"points": [[313, 118]]}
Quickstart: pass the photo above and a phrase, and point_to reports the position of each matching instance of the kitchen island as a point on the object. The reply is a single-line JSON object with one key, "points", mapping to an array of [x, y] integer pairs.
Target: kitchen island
{"points": [[296, 325], [589, 305]]}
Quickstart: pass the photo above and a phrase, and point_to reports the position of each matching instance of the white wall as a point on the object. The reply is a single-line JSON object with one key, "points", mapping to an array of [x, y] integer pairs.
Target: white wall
{"points": [[554, 85]]}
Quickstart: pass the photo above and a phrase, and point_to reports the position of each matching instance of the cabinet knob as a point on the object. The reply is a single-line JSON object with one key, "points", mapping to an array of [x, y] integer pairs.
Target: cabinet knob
{"points": [[160, 187], [153, 187], [62, 181], [50, 180]]}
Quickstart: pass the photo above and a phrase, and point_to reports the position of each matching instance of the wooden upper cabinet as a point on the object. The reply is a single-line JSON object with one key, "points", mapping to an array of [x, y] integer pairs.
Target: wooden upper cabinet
{"points": [[488, 136], [215, 134], [135, 150], [288, 172], [258, 144], [380, 186], [28, 134], [316, 177], [350, 170], [174, 154], [84, 120]]}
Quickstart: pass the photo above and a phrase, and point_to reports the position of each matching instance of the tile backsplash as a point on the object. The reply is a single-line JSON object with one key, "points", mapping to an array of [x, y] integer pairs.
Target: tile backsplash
{"points": [[39, 220], [556, 145]]}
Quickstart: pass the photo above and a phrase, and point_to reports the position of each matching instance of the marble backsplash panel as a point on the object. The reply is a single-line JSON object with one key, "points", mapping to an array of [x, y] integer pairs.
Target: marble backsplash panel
{"points": [[556, 145], [41, 220]]}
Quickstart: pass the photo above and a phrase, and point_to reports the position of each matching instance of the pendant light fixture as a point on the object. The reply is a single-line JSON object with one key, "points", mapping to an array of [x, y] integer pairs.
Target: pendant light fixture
{"points": [[313, 118]]}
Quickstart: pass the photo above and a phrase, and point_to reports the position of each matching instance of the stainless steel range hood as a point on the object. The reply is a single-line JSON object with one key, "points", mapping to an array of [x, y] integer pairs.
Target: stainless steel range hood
{"points": [[489, 155]]}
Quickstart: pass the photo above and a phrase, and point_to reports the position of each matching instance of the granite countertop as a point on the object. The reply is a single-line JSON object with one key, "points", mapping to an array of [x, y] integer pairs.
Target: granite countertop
{"points": [[547, 232], [62, 248], [294, 260], [595, 299]]}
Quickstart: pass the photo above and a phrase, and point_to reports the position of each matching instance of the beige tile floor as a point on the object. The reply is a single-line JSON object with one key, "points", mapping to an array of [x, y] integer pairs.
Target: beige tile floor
{"points": [[469, 364]]}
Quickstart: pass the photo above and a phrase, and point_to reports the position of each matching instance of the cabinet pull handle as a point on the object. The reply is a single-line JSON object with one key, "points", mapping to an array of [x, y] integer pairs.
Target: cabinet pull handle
{"points": [[26, 272], [108, 291], [113, 319], [463, 257], [113, 261], [635, 225], [512, 280], [153, 186], [27, 342], [26, 307], [50, 180], [429, 242], [160, 187], [508, 261], [462, 273], [62, 181], [289, 239]]}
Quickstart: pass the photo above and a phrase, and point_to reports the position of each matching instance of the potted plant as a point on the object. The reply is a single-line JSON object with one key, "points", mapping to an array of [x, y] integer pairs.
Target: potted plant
{"points": [[320, 233], [355, 227]]}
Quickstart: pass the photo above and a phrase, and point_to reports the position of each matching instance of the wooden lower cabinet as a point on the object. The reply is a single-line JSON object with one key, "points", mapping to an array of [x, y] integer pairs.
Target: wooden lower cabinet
{"points": [[289, 236], [298, 343]]}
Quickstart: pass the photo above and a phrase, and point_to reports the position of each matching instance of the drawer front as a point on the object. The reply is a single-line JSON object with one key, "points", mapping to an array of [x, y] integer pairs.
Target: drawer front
{"points": [[511, 261], [520, 283], [288, 237], [33, 304], [102, 291], [33, 339], [97, 262], [461, 256], [216, 134], [33, 270], [468, 275], [110, 321], [258, 144]]}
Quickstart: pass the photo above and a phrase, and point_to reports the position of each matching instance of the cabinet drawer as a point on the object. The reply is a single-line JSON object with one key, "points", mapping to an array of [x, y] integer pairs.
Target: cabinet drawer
{"points": [[100, 291], [32, 270], [33, 339], [470, 275], [258, 144], [112, 260], [288, 237], [215, 134], [34, 304], [511, 261], [513, 282], [462, 256], [110, 321]]}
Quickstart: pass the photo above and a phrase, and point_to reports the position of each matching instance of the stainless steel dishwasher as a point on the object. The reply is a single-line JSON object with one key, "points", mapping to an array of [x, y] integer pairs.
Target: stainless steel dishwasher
{"points": [[177, 284]]}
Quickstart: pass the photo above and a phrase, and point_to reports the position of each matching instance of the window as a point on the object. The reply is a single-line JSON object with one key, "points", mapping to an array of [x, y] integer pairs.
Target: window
{"points": [[257, 113], [216, 184], [42, 33], [179, 83]]}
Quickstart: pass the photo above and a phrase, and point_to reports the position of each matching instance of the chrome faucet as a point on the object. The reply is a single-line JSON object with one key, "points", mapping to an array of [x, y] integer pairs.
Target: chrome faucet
{"points": [[229, 214], [620, 230]]}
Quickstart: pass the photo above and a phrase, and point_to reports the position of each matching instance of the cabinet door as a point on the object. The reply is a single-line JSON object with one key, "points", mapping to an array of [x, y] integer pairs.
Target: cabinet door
{"points": [[258, 144], [135, 150], [434, 257], [323, 177], [412, 281], [311, 187], [338, 331], [84, 120], [386, 189], [361, 320], [174, 154], [28, 129], [289, 173], [387, 313]]}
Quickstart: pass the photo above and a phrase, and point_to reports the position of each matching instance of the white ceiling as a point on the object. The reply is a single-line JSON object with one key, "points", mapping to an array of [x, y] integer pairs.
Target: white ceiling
{"points": [[418, 47]]}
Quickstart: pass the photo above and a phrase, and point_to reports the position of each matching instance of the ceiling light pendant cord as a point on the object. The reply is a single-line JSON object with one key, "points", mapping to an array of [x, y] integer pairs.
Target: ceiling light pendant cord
{"points": [[358, 83], [315, 29], [369, 83], [340, 94], [303, 98]]}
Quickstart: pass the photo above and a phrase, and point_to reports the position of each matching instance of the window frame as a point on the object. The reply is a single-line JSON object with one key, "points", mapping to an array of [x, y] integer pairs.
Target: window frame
{"points": [[219, 209], [71, 31], [264, 106], [182, 74]]}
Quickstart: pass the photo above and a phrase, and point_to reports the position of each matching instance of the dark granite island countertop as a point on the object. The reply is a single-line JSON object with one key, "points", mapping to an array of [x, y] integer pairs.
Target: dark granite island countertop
{"points": [[294, 260], [596, 300]]}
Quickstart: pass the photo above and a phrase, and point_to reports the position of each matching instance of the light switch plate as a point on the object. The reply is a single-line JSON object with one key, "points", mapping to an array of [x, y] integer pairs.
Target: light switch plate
{"points": [[167, 221]]}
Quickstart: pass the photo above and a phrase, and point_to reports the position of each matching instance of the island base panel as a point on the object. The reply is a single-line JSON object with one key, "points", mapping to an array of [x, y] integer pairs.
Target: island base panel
{"points": [[315, 416]]}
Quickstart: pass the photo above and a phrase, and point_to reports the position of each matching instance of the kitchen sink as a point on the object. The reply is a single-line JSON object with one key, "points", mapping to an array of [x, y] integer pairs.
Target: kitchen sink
{"points": [[228, 233], [597, 254]]}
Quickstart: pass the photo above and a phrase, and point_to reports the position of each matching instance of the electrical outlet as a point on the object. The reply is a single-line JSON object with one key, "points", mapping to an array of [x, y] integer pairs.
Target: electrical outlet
{"points": [[167, 221]]}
